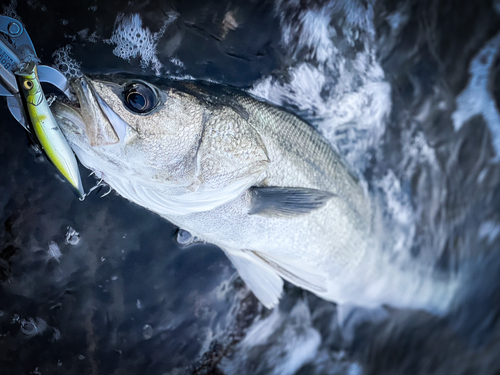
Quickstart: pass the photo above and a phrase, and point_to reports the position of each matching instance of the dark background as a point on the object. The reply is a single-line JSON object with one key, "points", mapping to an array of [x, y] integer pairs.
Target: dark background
{"points": [[127, 299]]}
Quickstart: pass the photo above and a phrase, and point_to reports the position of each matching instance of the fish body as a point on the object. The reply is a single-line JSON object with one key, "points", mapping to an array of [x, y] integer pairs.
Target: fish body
{"points": [[249, 177], [46, 128]]}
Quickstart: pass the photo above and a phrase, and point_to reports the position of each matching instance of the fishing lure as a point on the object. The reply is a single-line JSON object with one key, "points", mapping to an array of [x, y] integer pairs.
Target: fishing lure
{"points": [[45, 127]]}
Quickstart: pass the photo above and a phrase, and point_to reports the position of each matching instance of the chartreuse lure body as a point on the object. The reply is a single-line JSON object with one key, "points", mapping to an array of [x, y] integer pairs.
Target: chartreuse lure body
{"points": [[45, 126]]}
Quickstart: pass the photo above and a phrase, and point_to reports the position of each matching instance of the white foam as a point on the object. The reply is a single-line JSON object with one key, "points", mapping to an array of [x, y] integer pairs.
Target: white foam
{"points": [[417, 152], [132, 40], [355, 369], [315, 34], [289, 339], [72, 236], [348, 99], [489, 230], [476, 98], [399, 212], [65, 63], [300, 341]]}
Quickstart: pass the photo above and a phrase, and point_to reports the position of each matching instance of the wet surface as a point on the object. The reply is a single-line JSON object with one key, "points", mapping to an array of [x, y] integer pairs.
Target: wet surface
{"points": [[408, 93]]}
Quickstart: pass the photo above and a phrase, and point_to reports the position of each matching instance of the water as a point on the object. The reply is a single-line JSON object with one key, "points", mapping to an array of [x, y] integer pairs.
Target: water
{"points": [[407, 92]]}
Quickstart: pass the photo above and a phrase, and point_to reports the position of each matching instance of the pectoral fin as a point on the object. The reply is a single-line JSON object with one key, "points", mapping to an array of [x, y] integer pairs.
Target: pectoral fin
{"points": [[262, 280], [286, 201]]}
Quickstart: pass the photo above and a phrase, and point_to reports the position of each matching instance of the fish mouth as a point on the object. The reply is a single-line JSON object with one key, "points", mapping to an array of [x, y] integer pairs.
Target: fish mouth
{"points": [[103, 126]]}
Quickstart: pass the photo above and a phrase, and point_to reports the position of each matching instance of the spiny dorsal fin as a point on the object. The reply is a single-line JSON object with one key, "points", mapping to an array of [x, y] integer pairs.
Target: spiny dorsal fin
{"points": [[286, 201]]}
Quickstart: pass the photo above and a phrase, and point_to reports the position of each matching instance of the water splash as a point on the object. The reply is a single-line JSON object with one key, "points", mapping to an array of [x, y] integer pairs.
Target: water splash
{"points": [[476, 99], [289, 338], [54, 251], [72, 236], [340, 87]]}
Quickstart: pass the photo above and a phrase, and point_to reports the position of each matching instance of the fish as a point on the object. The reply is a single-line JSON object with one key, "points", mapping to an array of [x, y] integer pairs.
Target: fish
{"points": [[45, 127], [250, 177]]}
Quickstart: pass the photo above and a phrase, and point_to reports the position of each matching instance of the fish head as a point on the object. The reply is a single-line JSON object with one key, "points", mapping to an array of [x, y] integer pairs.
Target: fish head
{"points": [[173, 138], [133, 129]]}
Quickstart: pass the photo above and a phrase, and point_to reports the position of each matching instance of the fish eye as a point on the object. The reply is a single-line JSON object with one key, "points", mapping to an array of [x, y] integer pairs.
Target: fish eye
{"points": [[28, 85], [139, 98]]}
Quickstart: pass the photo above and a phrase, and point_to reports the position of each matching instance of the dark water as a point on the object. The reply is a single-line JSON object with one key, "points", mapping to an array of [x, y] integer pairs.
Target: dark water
{"points": [[408, 92]]}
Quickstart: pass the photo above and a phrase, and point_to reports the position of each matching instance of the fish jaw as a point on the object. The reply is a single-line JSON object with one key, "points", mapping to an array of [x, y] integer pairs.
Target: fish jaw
{"points": [[103, 126]]}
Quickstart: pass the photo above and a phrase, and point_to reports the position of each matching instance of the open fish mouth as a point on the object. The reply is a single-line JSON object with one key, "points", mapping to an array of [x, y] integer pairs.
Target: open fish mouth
{"points": [[103, 125]]}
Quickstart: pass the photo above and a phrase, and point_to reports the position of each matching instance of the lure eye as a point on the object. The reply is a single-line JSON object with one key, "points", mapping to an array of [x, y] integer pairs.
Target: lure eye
{"points": [[28, 85], [139, 98]]}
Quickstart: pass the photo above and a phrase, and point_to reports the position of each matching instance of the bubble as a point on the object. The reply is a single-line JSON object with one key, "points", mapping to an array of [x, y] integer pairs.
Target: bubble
{"points": [[184, 238], [29, 327], [133, 40], [66, 64], [72, 236], [147, 332]]}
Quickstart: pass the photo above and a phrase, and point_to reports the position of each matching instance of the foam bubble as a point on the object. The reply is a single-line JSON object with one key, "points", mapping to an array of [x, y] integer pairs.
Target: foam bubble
{"points": [[65, 63], [72, 236], [132, 40]]}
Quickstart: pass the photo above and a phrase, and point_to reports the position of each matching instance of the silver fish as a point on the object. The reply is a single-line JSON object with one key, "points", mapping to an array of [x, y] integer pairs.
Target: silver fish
{"points": [[249, 177]]}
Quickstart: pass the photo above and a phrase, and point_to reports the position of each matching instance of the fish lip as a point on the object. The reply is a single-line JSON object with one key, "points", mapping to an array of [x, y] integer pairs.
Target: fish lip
{"points": [[85, 92]]}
